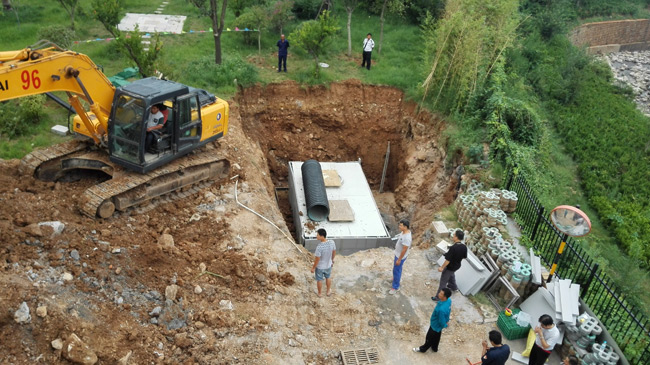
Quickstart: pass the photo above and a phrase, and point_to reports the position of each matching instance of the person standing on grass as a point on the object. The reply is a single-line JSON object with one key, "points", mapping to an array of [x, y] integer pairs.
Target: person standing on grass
{"points": [[325, 253], [401, 252], [283, 46], [453, 258], [547, 336], [368, 45], [439, 320]]}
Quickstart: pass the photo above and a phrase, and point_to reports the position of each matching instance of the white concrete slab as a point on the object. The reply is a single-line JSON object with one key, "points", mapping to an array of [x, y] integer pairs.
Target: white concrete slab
{"points": [[575, 301], [443, 246], [440, 227], [152, 23], [519, 358], [60, 130], [472, 275], [536, 265], [565, 298], [539, 303]]}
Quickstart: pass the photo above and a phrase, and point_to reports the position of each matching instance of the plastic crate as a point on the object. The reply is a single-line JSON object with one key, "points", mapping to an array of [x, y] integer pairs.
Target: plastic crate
{"points": [[509, 327]]}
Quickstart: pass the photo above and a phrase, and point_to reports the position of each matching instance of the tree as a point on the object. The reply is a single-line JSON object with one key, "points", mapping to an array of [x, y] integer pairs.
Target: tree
{"points": [[315, 35], [255, 17], [463, 47], [350, 5], [211, 10], [393, 6], [70, 7], [239, 6], [281, 14], [108, 13]]}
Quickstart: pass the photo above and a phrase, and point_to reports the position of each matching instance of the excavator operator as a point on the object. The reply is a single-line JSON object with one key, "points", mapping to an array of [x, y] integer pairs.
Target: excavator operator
{"points": [[155, 122]]}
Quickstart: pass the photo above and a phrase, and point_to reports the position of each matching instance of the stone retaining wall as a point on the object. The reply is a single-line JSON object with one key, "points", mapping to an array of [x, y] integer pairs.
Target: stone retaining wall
{"points": [[613, 36]]}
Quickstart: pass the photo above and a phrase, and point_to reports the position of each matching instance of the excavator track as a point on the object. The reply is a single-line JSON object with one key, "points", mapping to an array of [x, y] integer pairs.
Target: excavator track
{"points": [[130, 190], [30, 164], [125, 190]]}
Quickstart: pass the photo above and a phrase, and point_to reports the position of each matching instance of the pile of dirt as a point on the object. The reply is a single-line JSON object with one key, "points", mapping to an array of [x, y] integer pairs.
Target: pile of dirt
{"points": [[202, 280]]}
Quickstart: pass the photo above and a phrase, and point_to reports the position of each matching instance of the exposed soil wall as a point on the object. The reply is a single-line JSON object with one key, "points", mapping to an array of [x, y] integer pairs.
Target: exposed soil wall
{"points": [[348, 121]]}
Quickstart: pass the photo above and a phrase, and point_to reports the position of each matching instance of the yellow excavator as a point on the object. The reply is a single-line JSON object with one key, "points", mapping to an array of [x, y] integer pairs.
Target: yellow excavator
{"points": [[112, 126]]}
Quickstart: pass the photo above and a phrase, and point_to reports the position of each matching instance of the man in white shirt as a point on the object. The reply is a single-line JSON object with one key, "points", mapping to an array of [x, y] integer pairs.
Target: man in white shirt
{"points": [[547, 337], [368, 45], [401, 253], [154, 122], [325, 253]]}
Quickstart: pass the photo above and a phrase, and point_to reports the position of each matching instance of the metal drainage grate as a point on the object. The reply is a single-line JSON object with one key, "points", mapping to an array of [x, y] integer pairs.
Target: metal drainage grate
{"points": [[360, 356]]}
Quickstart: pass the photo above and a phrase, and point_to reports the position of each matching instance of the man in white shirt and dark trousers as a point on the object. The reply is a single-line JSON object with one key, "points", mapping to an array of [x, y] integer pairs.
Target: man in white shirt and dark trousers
{"points": [[401, 253], [547, 337], [325, 253], [368, 45]]}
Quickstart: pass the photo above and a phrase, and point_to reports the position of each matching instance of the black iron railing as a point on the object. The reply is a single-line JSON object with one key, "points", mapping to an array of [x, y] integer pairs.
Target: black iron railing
{"points": [[628, 326]]}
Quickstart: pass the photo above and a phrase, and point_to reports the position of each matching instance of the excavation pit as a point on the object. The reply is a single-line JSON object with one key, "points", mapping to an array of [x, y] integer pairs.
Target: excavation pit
{"points": [[351, 122]]}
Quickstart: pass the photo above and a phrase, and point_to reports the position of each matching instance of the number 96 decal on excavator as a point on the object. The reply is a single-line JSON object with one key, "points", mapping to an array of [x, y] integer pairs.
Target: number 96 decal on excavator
{"points": [[29, 80]]}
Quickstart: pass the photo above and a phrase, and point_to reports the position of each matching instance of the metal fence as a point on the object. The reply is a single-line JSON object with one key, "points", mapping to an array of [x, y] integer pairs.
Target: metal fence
{"points": [[628, 326]]}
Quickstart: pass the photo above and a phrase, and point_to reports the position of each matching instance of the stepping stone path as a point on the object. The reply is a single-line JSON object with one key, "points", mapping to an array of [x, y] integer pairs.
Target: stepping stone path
{"points": [[160, 10], [153, 23]]}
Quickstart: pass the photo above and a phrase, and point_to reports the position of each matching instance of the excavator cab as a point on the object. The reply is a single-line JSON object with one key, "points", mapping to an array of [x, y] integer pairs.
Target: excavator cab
{"points": [[182, 131]]}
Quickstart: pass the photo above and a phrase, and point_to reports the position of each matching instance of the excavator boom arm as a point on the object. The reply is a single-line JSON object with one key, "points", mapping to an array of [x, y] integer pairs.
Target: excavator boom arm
{"points": [[28, 72]]}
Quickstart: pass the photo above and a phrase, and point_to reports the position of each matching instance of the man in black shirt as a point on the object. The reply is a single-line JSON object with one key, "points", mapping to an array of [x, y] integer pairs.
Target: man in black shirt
{"points": [[456, 253]]}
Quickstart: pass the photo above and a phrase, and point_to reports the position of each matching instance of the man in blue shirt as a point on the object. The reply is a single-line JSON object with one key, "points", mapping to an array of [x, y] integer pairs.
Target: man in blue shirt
{"points": [[439, 320], [283, 45], [497, 354]]}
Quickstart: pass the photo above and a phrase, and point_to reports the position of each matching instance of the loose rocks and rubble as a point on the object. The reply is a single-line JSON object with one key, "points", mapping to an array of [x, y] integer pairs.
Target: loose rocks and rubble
{"points": [[633, 69], [259, 307]]}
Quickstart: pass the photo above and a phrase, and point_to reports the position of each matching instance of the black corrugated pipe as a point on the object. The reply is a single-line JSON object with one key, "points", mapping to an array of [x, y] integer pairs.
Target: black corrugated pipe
{"points": [[312, 180]]}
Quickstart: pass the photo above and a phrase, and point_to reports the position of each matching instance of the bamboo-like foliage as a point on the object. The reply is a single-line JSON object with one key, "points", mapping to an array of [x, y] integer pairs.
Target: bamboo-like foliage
{"points": [[463, 47]]}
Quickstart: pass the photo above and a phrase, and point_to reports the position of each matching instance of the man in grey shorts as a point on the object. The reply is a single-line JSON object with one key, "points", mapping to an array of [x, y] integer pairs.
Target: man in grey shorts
{"points": [[325, 253]]}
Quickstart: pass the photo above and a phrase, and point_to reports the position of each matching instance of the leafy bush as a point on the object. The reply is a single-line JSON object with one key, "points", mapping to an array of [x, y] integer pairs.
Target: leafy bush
{"points": [[58, 34], [475, 153], [592, 8], [204, 73], [17, 117], [417, 10], [306, 9]]}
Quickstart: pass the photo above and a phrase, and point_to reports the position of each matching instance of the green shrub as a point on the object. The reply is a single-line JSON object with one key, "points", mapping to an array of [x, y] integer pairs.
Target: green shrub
{"points": [[475, 153], [58, 34], [17, 117], [204, 73], [306, 9], [595, 8]]}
